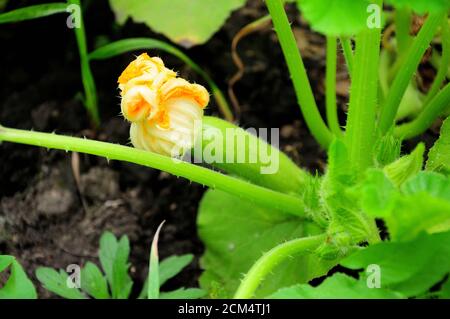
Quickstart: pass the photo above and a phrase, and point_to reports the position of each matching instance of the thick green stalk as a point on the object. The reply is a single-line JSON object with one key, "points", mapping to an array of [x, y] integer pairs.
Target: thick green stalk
{"points": [[298, 74], [406, 72], [260, 195], [346, 44], [271, 259], [443, 65], [360, 133], [403, 20], [439, 104], [330, 83], [86, 74]]}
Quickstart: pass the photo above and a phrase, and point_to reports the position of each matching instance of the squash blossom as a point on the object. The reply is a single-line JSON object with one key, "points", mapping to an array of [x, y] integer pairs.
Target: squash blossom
{"points": [[164, 110]]}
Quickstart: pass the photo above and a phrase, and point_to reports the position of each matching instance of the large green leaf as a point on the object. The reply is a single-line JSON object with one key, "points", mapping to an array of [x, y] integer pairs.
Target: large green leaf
{"points": [[114, 259], [339, 286], [18, 285], [336, 17], [439, 155], [184, 22], [422, 204], [422, 6], [236, 233], [410, 267]]}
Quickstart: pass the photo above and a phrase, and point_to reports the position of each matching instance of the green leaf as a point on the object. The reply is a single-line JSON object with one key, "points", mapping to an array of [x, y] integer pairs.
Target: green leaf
{"points": [[425, 208], [56, 282], [338, 286], [93, 282], [422, 204], [127, 45], [107, 254], [406, 166], [377, 194], [168, 268], [336, 17], [439, 155], [410, 268], [114, 260], [153, 269], [18, 285], [236, 233], [32, 12], [422, 6], [186, 23], [434, 184], [183, 293], [172, 266], [387, 149]]}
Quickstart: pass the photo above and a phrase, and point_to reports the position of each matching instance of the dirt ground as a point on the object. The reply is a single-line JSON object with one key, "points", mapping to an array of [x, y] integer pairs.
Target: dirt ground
{"points": [[45, 220]]}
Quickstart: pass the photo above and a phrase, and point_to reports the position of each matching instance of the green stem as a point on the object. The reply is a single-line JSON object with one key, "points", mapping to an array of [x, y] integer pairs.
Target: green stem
{"points": [[86, 74], [360, 134], [271, 259], [406, 72], [331, 104], [346, 44], [210, 178], [298, 74], [439, 104], [443, 65], [403, 20]]}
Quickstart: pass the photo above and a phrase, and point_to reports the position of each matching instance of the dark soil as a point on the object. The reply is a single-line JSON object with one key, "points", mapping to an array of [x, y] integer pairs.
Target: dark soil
{"points": [[44, 219]]}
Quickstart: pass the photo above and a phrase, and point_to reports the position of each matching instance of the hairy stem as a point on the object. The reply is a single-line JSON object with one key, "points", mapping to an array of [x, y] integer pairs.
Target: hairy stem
{"points": [[360, 134], [271, 259], [406, 72], [439, 104], [331, 104], [298, 74], [260, 195]]}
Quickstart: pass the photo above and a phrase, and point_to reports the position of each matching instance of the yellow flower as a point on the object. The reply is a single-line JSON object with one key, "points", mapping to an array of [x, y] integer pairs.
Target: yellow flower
{"points": [[163, 110]]}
